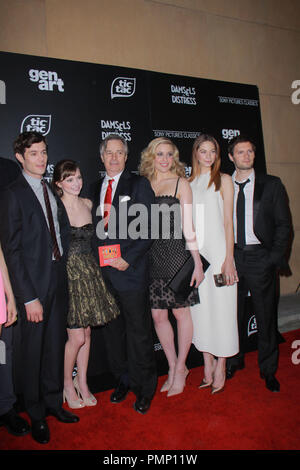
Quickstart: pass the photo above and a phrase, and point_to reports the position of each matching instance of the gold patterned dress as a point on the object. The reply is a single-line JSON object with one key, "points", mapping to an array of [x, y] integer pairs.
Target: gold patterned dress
{"points": [[90, 302]]}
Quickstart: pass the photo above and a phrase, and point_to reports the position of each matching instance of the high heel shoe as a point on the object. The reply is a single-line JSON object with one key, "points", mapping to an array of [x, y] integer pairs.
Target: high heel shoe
{"points": [[219, 389], [88, 401], [205, 384], [178, 383], [74, 404], [168, 383], [215, 390]]}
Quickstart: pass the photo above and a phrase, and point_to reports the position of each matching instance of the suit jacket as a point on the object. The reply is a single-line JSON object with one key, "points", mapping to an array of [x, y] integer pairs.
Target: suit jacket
{"points": [[131, 189], [26, 241], [271, 217], [9, 171]]}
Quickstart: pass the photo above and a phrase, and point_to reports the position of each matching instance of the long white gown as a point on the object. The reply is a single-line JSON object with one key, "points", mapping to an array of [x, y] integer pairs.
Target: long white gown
{"points": [[215, 318]]}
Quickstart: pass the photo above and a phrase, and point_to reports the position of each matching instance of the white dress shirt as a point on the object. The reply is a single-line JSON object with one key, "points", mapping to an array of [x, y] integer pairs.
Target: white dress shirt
{"points": [[251, 239], [104, 188]]}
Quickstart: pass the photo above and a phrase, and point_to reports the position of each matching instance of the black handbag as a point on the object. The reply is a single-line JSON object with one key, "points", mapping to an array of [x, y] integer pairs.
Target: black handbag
{"points": [[180, 283]]}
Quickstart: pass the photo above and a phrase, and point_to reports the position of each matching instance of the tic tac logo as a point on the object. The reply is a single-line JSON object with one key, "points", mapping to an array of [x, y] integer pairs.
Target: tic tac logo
{"points": [[252, 325], [2, 92], [36, 123], [47, 81], [122, 87], [229, 133]]}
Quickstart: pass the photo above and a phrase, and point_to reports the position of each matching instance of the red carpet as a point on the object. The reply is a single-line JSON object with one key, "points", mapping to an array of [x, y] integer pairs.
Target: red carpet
{"points": [[246, 416]]}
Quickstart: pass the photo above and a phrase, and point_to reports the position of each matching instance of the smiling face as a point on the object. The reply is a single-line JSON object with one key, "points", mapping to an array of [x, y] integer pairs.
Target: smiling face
{"points": [[34, 159], [72, 184], [206, 155], [164, 157], [114, 157]]}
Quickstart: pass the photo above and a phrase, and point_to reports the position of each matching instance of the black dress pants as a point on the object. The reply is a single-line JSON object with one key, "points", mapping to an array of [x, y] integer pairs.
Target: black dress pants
{"points": [[42, 350], [129, 342], [258, 275]]}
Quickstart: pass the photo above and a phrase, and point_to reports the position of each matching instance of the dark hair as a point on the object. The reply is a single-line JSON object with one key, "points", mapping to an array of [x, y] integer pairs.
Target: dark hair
{"points": [[215, 176], [26, 139], [63, 170], [239, 140]]}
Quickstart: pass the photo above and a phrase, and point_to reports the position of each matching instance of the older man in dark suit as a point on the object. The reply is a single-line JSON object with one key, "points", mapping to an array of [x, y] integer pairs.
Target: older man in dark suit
{"points": [[262, 231], [129, 338], [33, 244]]}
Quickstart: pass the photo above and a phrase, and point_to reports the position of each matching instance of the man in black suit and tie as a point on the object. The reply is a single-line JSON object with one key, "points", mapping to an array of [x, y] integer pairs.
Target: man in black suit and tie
{"points": [[33, 244], [129, 337], [262, 230]]}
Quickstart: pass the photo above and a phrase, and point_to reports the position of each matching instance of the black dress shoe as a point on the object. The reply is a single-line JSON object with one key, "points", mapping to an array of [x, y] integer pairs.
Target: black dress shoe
{"points": [[119, 394], [271, 382], [231, 369], [142, 405], [14, 423], [63, 415], [40, 431]]}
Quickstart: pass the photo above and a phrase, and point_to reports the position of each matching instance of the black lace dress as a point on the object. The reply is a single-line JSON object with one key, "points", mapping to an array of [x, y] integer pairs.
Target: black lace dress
{"points": [[168, 253], [90, 303]]}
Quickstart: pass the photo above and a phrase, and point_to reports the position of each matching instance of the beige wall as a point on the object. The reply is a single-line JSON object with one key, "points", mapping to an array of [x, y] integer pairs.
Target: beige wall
{"points": [[247, 41]]}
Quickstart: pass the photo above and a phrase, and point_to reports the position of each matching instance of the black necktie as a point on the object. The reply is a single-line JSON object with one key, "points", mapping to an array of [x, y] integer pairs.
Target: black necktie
{"points": [[240, 215], [56, 251]]}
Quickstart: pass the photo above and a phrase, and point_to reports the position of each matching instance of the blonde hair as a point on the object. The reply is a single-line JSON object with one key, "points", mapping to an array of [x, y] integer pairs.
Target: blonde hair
{"points": [[215, 175], [146, 167]]}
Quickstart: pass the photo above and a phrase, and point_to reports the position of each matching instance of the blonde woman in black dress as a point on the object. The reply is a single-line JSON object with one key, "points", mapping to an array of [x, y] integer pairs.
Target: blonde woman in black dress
{"points": [[160, 164], [90, 304]]}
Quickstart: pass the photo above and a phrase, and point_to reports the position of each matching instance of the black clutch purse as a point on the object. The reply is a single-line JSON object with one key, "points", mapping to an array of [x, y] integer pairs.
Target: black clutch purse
{"points": [[180, 283]]}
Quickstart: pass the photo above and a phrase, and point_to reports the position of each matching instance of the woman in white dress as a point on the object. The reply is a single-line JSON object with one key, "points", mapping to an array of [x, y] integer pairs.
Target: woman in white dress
{"points": [[215, 318]]}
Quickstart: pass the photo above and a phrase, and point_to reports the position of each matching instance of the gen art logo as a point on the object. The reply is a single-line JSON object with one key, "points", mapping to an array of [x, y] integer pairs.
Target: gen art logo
{"points": [[47, 81]]}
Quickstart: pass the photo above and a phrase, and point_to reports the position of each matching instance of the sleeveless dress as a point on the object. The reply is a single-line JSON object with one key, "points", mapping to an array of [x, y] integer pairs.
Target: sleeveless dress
{"points": [[90, 302], [215, 319], [168, 253]]}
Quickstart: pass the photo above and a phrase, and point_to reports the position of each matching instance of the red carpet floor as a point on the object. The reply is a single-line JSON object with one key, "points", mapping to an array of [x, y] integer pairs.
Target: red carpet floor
{"points": [[246, 416]]}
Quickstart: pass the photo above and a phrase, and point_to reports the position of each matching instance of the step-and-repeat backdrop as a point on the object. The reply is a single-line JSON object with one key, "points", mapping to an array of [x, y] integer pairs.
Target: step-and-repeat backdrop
{"points": [[77, 104]]}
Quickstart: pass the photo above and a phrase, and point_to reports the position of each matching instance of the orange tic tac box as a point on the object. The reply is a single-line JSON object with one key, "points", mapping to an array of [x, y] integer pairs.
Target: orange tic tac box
{"points": [[107, 253]]}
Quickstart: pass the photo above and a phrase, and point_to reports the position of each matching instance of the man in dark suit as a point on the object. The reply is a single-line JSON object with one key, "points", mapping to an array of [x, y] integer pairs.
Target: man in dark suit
{"points": [[262, 230], [33, 246], [129, 337]]}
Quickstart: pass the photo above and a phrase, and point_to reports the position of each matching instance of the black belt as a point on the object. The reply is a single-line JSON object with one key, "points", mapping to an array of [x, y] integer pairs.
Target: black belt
{"points": [[248, 247]]}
